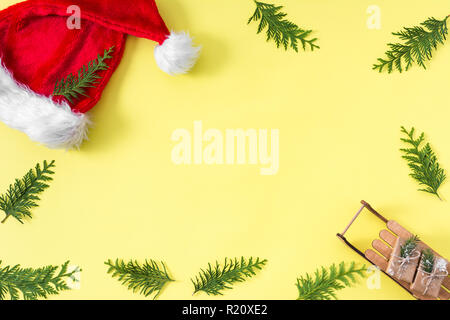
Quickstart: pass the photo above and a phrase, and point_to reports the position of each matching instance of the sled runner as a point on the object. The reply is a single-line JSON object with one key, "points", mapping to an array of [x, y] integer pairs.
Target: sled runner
{"points": [[382, 250]]}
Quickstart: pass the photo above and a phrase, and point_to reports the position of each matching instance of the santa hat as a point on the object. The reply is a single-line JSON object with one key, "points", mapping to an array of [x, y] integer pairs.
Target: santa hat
{"points": [[38, 50]]}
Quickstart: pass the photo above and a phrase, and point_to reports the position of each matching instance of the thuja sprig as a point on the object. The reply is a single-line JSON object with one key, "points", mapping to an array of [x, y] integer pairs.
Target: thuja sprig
{"points": [[409, 246], [427, 261], [147, 279], [23, 194], [75, 85], [214, 279], [30, 284], [423, 163], [284, 32], [326, 281], [417, 46]]}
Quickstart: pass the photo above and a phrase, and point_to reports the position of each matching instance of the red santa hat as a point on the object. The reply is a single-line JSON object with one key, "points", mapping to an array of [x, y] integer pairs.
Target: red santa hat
{"points": [[38, 50]]}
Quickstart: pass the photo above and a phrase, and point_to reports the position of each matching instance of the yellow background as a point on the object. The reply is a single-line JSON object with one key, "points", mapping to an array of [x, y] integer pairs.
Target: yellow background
{"points": [[121, 196]]}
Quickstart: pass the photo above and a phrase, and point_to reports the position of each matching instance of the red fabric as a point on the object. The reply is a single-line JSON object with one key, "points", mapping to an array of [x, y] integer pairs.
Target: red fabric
{"points": [[39, 49]]}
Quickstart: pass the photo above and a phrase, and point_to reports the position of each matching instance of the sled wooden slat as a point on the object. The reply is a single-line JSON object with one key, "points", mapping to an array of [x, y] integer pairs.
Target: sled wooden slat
{"points": [[447, 282], [382, 249], [388, 237]]}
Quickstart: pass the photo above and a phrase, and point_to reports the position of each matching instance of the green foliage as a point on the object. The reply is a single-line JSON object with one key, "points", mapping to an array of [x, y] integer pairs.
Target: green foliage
{"points": [[282, 31], [325, 282], [147, 279], [417, 46], [31, 284], [22, 195], [409, 246], [427, 260], [74, 86], [423, 163], [217, 278]]}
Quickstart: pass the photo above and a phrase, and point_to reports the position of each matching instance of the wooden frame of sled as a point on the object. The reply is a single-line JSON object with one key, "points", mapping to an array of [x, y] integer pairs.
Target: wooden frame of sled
{"points": [[383, 249]]}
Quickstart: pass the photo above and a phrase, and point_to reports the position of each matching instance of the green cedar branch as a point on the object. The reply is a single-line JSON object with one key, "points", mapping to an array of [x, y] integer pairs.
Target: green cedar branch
{"points": [[217, 278], [23, 194], [31, 284], [423, 163], [284, 32], [417, 46], [409, 246], [147, 279], [427, 260], [326, 281], [73, 86]]}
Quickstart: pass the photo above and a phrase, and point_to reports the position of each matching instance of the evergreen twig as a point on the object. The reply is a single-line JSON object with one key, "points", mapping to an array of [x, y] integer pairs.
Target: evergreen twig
{"points": [[325, 282], [217, 278], [417, 46], [23, 194], [284, 32], [427, 261], [147, 279], [74, 85], [31, 284], [423, 163], [409, 246]]}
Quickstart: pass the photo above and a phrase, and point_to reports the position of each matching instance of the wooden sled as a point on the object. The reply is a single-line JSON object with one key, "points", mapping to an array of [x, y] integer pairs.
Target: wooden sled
{"points": [[383, 251]]}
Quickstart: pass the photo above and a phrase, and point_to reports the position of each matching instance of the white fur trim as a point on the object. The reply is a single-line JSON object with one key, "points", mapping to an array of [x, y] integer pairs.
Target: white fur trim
{"points": [[43, 120], [176, 55]]}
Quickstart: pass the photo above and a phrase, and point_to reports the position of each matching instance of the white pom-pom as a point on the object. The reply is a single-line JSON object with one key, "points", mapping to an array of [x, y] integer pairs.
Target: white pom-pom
{"points": [[43, 120], [176, 55], [441, 265]]}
